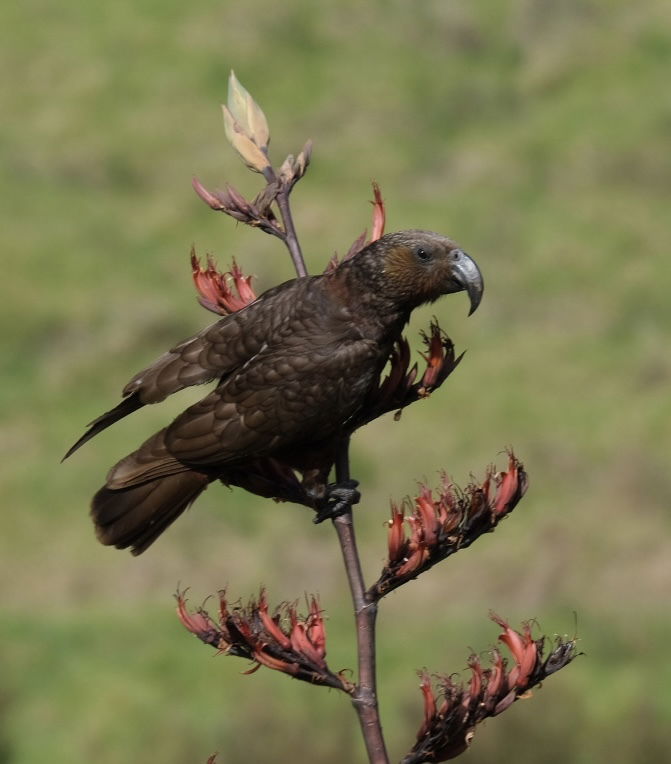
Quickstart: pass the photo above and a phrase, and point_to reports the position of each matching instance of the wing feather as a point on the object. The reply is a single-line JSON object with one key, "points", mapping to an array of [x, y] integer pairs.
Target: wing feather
{"points": [[252, 412], [208, 355], [220, 348]]}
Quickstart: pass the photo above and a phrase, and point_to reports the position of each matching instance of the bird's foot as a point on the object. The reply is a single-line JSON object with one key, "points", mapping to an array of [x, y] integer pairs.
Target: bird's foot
{"points": [[338, 499]]}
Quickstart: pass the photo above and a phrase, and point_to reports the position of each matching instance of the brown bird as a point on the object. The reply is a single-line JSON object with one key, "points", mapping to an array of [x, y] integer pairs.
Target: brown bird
{"points": [[293, 371]]}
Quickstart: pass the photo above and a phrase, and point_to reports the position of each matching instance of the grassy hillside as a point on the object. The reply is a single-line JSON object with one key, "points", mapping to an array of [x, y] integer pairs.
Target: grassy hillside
{"points": [[537, 135]]}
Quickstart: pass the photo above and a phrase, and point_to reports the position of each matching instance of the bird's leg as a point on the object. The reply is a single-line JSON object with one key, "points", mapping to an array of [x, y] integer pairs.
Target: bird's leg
{"points": [[329, 499], [338, 498]]}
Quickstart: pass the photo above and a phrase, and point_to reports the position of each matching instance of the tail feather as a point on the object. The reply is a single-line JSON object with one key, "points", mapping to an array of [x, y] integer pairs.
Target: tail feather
{"points": [[136, 516], [150, 461], [127, 406]]}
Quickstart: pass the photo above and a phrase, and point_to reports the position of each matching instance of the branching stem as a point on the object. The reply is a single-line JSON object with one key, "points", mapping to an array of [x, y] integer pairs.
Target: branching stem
{"points": [[364, 697], [290, 238]]}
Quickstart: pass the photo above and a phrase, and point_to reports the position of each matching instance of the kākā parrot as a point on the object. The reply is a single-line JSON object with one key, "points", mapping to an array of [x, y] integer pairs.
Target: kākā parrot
{"points": [[293, 370]]}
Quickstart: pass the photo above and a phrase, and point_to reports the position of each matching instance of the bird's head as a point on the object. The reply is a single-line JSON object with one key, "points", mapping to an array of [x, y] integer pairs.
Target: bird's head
{"points": [[415, 267]]}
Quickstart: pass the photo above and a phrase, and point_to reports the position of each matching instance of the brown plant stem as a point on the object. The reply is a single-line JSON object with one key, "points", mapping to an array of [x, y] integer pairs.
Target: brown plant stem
{"points": [[364, 697], [290, 237]]}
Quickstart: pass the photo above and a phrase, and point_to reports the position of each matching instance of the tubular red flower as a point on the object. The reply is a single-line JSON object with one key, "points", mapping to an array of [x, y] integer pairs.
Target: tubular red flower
{"points": [[396, 534], [496, 677], [197, 623], [277, 664], [243, 284], [379, 214], [310, 650], [508, 485], [300, 642], [426, 516], [443, 522], [447, 730], [415, 559], [477, 676], [298, 649], [434, 358], [270, 624], [429, 702], [522, 647], [316, 630], [214, 287]]}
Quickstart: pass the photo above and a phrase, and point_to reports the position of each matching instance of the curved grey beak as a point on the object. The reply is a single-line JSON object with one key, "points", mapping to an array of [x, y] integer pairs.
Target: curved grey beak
{"points": [[468, 276]]}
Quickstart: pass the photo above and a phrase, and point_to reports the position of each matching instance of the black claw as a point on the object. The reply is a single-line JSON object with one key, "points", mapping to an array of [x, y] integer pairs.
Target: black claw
{"points": [[339, 498]]}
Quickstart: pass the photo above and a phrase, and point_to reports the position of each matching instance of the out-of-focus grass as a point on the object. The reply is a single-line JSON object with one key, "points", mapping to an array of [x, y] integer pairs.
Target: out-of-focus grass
{"points": [[537, 135]]}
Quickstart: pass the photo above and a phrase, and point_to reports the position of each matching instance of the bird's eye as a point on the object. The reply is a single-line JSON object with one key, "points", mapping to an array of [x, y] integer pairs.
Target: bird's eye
{"points": [[422, 255]]}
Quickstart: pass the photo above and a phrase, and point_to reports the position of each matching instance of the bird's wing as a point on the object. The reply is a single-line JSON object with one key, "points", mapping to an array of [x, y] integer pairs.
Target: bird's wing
{"points": [[210, 354], [278, 400], [219, 348]]}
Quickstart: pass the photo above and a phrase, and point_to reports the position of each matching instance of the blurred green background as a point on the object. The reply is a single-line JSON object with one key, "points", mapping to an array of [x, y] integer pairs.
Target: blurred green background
{"points": [[535, 133]]}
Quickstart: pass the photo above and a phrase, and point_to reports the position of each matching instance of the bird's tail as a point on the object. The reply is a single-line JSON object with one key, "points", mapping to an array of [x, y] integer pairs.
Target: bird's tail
{"points": [[144, 494]]}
